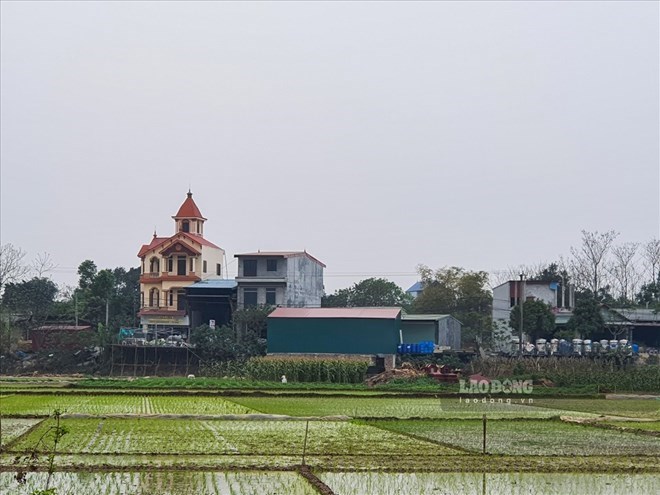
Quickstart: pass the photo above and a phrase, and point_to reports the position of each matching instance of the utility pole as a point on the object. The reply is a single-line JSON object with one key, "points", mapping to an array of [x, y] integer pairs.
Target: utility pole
{"points": [[521, 300]]}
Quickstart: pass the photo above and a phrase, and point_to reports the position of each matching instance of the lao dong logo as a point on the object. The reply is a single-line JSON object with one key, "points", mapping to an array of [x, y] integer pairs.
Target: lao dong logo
{"points": [[496, 386]]}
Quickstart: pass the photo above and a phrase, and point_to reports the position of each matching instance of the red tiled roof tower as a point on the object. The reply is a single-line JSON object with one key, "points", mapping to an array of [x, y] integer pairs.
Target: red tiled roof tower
{"points": [[189, 209]]}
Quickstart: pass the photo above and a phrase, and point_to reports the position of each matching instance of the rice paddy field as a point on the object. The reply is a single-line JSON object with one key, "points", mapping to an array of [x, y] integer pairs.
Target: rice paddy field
{"points": [[143, 442]]}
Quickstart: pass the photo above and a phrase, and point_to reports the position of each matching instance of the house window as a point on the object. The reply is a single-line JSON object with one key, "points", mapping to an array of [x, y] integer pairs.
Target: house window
{"points": [[204, 266], [192, 268], [218, 269], [185, 226], [170, 264], [171, 298], [271, 265], [270, 296], [154, 266], [249, 297], [249, 268]]}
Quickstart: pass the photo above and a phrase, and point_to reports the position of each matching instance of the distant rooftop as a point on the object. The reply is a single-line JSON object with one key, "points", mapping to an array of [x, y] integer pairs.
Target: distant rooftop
{"points": [[417, 287], [372, 313], [281, 254], [214, 284]]}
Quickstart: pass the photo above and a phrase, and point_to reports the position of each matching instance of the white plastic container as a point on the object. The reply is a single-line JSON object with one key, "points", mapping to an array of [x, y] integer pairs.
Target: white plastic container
{"points": [[541, 346], [577, 346]]}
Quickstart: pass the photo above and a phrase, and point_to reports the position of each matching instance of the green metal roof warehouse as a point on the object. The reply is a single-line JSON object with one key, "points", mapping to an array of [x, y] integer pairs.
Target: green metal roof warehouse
{"points": [[334, 330]]}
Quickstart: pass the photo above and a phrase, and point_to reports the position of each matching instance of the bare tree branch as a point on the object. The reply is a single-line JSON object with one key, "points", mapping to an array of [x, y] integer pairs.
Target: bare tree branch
{"points": [[651, 254], [588, 260], [12, 268], [43, 264], [623, 269]]}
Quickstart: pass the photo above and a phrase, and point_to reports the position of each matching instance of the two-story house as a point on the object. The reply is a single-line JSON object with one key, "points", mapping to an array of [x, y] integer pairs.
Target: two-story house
{"points": [[170, 264], [279, 278], [507, 295]]}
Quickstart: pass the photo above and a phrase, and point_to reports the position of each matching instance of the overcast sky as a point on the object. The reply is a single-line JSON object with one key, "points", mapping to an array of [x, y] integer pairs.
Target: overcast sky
{"points": [[376, 136]]}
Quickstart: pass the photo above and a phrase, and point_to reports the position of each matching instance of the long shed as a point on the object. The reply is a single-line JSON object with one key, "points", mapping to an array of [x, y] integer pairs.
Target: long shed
{"points": [[334, 330], [443, 330]]}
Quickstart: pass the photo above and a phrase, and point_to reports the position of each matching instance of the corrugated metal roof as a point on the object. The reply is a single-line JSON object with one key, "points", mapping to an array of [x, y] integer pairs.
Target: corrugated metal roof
{"points": [[69, 328], [638, 314], [417, 287], [373, 313], [406, 316], [214, 284]]}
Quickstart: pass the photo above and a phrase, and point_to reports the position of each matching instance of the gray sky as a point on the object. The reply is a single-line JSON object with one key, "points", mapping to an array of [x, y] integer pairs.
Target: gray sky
{"points": [[375, 135]]}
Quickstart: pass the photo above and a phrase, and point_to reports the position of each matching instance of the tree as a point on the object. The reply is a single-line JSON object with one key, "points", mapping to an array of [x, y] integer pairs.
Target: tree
{"points": [[126, 300], [588, 260], [42, 265], [33, 298], [538, 319], [371, 292], [251, 322], [86, 272], [649, 294], [12, 268], [587, 320], [651, 255], [215, 344], [624, 272], [463, 294], [109, 297]]}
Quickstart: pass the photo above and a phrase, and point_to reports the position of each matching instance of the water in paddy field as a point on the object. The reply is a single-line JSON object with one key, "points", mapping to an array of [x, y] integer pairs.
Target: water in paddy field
{"points": [[291, 483], [490, 484]]}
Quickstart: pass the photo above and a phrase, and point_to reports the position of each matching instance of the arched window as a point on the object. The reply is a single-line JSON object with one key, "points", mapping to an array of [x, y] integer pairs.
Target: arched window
{"points": [[154, 265]]}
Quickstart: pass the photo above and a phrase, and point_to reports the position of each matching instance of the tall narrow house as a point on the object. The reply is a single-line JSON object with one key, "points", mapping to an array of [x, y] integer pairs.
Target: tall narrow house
{"points": [[170, 264]]}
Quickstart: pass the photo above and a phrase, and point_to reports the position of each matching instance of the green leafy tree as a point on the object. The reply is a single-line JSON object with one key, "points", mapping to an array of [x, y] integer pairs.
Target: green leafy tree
{"points": [[86, 273], [461, 293], [553, 273], [32, 298], [587, 320], [649, 294], [107, 297], [538, 319], [215, 344], [371, 292]]}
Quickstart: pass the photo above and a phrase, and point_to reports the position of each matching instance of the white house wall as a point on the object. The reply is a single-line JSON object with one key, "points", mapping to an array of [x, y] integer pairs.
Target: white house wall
{"points": [[304, 282]]}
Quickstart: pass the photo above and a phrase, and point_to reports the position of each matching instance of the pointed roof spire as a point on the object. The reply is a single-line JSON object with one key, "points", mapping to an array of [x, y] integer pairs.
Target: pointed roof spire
{"points": [[189, 209]]}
